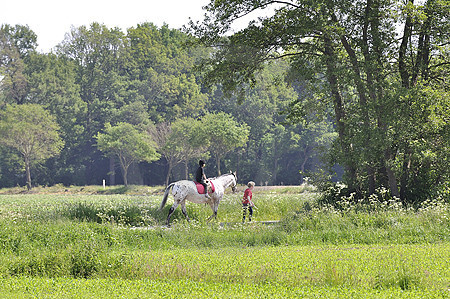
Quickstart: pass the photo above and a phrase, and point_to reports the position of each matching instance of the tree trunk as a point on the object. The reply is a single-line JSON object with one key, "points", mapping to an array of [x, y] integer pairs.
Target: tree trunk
{"points": [[28, 173], [112, 172], [218, 165], [125, 176], [124, 167], [362, 94], [275, 171], [402, 65], [237, 164], [405, 174], [275, 164], [371, 179], [339, 112], [391, 176], [170, 166], [186, 170], [302, 170]]}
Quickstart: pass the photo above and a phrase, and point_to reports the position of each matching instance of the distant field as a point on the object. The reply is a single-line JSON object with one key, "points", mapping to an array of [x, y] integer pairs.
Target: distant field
{"points": [[61, 244]]}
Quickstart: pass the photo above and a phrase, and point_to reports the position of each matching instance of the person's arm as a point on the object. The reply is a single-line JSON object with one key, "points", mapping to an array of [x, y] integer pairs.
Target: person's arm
{"points": [[245, 197], [250, 195]]}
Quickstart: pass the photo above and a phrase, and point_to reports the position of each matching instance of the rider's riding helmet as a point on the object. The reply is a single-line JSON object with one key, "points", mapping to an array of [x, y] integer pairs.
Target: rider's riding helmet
{"points": [[201, 163]]}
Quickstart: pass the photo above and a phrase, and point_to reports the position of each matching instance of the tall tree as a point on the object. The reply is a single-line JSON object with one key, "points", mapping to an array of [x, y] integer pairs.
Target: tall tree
{"points": [[178, 142], [51, 82], [170, 150], [223, 134], [128, 144], [163, 72], [100, 58], [15, 45], [187, 134], [360, 71], [31, 131]]}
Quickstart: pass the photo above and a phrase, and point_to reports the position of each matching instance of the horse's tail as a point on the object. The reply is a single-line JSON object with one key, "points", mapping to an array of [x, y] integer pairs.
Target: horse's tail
{"points": [[166, 194]]}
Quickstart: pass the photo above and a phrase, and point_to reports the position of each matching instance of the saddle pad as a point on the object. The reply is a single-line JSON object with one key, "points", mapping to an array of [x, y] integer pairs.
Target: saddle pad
{"points": [[201, 189]]}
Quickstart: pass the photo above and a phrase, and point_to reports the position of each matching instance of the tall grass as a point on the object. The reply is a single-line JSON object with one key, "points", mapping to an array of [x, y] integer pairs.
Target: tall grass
{"points": [[120, 237]]}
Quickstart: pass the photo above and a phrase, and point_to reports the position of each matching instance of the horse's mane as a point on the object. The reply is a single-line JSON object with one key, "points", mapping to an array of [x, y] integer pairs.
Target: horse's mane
{"points": [[225, 174]]}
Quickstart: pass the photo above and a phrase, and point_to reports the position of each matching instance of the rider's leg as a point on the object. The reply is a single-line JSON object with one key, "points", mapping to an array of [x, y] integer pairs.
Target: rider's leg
{"points": [[206, 189]]}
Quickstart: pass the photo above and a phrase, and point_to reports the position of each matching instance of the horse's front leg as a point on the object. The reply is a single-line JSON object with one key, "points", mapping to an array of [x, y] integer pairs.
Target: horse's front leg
{"points": [[214, 215], [214, 207]]}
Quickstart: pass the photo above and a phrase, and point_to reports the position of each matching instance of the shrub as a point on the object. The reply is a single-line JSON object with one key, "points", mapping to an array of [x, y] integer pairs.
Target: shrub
{"points": [[84, 260]]}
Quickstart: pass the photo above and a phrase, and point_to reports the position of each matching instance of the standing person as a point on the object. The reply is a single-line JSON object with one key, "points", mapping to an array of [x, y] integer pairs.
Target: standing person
{"points": [[200, 177], [247, 202]]}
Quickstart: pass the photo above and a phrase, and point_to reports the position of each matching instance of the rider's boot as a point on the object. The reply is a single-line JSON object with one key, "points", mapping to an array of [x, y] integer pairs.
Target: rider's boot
{"points": [[206, 193]]}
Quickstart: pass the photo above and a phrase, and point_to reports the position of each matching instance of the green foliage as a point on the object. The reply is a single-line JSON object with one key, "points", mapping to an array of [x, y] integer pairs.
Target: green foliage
{"points": [[350, 75], [128, 144], [129, 78], [314, 251], [124, 139], [32, 132], [187, 288], [180, 141], [164, 72], [223, 134], [301, 72]]}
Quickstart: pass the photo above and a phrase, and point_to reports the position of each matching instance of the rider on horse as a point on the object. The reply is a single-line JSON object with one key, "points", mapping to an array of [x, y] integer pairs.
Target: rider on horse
{"points": [[200, 177]]}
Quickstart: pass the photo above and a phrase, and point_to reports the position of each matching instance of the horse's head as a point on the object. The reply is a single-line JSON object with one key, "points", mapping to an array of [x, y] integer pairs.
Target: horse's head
{"points": [[234, 182]]}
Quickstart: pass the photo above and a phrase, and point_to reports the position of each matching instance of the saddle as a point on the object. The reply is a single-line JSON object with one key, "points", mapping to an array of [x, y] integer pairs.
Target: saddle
{"points": [[201, 189]]}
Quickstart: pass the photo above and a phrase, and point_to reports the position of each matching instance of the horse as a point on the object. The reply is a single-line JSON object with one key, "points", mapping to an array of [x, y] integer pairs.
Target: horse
{"points": [[186, 190]]}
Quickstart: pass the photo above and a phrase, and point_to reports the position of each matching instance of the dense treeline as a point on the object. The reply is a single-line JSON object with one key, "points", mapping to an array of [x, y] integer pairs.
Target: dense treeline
{"points": [[363, 84], [101, 87]]}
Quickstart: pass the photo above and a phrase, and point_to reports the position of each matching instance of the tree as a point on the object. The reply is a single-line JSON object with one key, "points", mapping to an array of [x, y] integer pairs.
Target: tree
{"points": [[15, 45], [187, 136], [51, 82], [163, 72], [270, 149], [354, 62], [223, 134], [100, 58], [310, 140], [170, 150], [32, 131], [128, 144]]}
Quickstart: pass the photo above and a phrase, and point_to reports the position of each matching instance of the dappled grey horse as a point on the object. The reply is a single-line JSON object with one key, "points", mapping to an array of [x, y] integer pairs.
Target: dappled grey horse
{"points": [[187, 190]]}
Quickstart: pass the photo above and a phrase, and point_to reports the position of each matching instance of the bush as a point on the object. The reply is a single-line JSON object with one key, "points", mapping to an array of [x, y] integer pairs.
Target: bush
{"points": [[84, 260]]}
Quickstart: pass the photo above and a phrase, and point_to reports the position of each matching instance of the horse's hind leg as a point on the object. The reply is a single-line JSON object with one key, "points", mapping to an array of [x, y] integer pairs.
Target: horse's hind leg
{"points": [[172, 209], [183, 209]]}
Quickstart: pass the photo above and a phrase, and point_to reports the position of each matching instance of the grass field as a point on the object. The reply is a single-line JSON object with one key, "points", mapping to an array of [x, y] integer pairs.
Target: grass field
{"points": [[91, 243]]}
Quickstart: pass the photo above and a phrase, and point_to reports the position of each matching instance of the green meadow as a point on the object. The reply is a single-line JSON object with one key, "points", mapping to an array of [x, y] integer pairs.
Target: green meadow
{"points": [[94, 244]]}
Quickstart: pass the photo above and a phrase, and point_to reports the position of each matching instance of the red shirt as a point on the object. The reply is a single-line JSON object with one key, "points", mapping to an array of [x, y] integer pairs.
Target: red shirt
{"points": [[247, 193]]}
